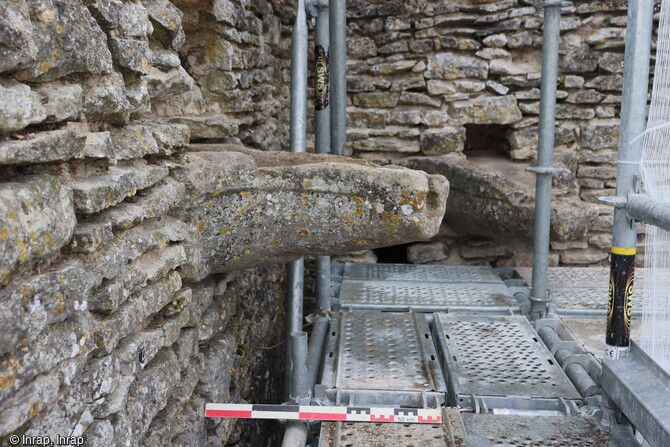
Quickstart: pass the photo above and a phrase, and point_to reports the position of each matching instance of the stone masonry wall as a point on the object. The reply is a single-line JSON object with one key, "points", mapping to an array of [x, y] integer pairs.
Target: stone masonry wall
{"points": [[423, 75], [102, 333]]}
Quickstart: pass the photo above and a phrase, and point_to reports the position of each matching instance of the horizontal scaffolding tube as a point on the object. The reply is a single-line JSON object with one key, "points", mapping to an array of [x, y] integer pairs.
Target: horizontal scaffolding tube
{"points": [[643, 208]]}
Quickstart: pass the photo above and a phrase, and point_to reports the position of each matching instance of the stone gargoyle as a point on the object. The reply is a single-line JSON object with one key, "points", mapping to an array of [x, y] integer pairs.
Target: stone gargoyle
{"points": [[248, 208]]}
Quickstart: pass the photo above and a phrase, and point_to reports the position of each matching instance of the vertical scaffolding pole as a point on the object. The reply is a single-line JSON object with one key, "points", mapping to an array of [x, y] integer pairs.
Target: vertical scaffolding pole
{"points": [[295, 276], [545, 157], [338, 78], [322, 132], [639, 25], [297, 431]]}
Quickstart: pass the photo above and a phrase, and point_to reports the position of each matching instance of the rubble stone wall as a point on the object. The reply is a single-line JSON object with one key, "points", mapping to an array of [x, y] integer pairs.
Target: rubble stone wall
{"points": [[434, 77], [102, 332]]}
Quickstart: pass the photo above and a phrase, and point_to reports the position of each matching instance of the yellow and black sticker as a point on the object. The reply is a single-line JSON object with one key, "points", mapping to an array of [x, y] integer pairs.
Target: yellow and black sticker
{"points": [[620, 298], [322, 75]]}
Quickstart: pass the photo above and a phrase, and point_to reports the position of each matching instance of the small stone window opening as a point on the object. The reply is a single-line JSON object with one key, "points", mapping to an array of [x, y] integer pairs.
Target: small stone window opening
{"points": [[487, 139]]}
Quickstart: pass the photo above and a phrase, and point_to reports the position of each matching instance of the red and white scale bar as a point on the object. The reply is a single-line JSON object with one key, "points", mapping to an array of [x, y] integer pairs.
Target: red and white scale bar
{"points": [[302, 412]]}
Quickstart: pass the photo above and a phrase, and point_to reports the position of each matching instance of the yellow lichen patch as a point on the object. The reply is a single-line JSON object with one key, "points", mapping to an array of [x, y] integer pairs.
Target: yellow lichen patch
{"points": [[45, 66], [419, 202], [307, 183], [303, 232], [55, 54], [233, 180], [59, 304], [247, 252], [7, 381], [23, 250], [49, 239], [4, 233], [12, 215], [236, 259], [276, 242], [216, 194], [27, 291], [201, 224], [225, 230], [405, 193], [242, 210], [360, 205], [245, 194]]}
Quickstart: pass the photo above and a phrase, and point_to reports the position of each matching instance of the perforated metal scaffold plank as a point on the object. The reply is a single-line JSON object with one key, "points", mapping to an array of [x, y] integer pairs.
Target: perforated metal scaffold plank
{"points": [[352, 434], [380, 357], [581, 287], [409, 272], [423, 295], [490, 355], [485, 430]]}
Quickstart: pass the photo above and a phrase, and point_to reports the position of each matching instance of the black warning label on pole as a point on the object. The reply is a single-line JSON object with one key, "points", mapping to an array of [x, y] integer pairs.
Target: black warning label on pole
{"points": [[620, 302], [322, 78]]}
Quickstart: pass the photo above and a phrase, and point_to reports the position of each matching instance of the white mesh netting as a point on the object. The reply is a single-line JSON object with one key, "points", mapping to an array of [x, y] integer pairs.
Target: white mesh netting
{"points": [[655, 333]]}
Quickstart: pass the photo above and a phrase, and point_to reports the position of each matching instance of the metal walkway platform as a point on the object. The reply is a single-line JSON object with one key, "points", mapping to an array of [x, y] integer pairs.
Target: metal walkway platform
{"points": [[433, 335]]}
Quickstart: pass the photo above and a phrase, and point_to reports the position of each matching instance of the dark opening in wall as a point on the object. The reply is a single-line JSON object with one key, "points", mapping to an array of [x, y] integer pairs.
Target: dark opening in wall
{"points": [[486, 139], [395, 254]]}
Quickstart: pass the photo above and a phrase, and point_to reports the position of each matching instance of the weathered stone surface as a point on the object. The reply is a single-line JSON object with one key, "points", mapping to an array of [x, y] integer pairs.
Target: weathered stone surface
{"points": [[600, 135], [484, 202], [18, 409], [377, 100], [124, 19], [586, 256], [131, 54], [105, 100], [451, 66], [578, 62], [208, 126], [486, 110], [61, 102], [442, 141], [166, 84], [19, 107], [166, 18], [17, 46], [68, 40], [44, 147], [425, 253], [36, 220], [385, 144], [606, 83], [96, 193], [40, 301], [283, 200]]}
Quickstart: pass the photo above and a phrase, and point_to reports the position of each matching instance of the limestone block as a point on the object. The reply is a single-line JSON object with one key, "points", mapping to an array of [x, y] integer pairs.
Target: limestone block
{"points": [[55, 145], [606, 83], [68, 40], [607, 38], [96, 193], [428, 252], [385, 145], [124, 19], [599, 172], [19, 408], [569, 111], [602, 135], [167, 84], [452, 66], [438, 87], [458, 43], [361, 47], [486, 110], [166, 18], [495, 40], [586, 256], [442, 141], [36, 220], [89, 236], [19, 106], [131, 54], [105, 99], [418, 99], [578, 62], [490, 204], [42, 300], [17, 45], [368, 118], [62, 102], [612, 62], [208, 126], [376, 100], [585, 97], [286, 201]]}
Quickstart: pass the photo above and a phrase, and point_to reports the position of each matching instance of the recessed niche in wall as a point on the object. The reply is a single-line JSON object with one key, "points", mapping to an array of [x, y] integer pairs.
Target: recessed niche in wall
{"points": [[486, 139]]}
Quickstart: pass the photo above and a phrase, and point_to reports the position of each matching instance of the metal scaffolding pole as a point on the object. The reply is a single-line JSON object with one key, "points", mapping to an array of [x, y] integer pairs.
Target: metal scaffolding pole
{"points": [[545, 157], [338, 78], [639, 25], [322, 132], [295, 276], [297, 431]]}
